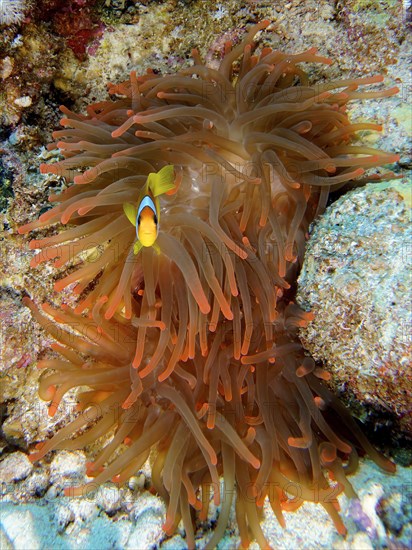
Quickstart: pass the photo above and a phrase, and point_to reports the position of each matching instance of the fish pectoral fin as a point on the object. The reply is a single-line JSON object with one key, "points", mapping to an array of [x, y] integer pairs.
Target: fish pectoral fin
{"points": [[137, 247], [162, 181], [131, 212]]}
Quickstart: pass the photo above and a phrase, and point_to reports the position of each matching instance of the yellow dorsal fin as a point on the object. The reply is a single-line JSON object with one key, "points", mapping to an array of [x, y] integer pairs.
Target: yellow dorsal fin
{"points": [[131, 212], [162, 181]]}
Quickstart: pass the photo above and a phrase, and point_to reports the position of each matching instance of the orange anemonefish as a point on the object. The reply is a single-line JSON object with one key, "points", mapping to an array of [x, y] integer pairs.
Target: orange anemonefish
{"points": [[145, 215]]}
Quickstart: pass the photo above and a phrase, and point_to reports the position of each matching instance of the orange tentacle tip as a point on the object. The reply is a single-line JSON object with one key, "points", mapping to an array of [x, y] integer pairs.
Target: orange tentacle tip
{"points": [[341, 529], [69, 491], [92, 471], [44, 168], [320, 403], [323, 374], [197, 505], [328, 454], [32, 244], [34, 457], [210, 424], [50, 392], [260, 501], [35, 261], [53, 409], [298, 442], [28, 302], [168, 525], [89, 468], [390, 466]]}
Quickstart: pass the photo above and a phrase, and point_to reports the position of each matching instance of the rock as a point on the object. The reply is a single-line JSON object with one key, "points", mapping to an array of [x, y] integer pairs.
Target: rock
{"points": [[147, 503], [395, 512], [5, 543], [24, 101], [360, 541], [27, 527], [356, 280], [6, 67], [148, 515], [108, 497], [67, 464], [63, 516], [137, 482], [37, 484], [15, 467], [174, 543], [84, 509], [148, 531]]}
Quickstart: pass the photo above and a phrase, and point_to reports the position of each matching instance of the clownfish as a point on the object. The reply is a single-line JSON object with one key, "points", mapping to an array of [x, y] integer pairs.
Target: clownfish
{"points": [[145, 215]]}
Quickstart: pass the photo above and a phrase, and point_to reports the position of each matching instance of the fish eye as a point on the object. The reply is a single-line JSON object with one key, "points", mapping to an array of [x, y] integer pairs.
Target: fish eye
{"points": [[155, 218], [138, 220]]}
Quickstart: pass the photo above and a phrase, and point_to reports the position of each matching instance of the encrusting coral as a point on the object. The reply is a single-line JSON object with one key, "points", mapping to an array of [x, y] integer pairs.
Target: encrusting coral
{"points": [[193, 351]]}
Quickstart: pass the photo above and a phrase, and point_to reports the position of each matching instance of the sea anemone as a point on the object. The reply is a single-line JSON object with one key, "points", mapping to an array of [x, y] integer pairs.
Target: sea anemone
{"points": [[273, 430], [198, 343]]}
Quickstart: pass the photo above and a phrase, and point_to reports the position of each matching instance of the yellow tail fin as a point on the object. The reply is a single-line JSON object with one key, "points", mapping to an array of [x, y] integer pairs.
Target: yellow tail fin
{"points": [[162, 181]]}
